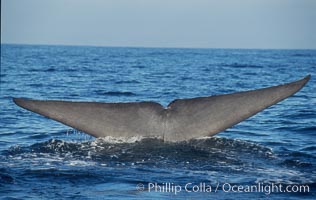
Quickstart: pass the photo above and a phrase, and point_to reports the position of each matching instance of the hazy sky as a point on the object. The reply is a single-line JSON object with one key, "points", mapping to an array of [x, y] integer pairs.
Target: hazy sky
{"points": [[161, 23]]}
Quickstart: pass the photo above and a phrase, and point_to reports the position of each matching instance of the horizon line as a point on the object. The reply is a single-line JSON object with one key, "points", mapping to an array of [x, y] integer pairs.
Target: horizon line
{"points": [[151, 47]]}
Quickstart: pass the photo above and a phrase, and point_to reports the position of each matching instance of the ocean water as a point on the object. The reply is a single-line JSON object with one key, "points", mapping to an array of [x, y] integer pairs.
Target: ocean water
{"points": [[43, 159]]}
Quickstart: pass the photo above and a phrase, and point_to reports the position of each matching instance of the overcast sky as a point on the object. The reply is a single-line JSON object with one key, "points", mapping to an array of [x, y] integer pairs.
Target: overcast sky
{"points": [[274, 24]]}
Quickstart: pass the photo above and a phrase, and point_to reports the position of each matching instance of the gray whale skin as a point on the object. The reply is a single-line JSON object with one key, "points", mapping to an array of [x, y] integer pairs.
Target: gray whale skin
{"points": [[182, 119]]}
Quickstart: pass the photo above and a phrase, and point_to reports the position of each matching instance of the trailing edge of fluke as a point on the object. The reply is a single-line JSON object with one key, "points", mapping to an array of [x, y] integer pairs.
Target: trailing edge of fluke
{"points": [[182, 119]]}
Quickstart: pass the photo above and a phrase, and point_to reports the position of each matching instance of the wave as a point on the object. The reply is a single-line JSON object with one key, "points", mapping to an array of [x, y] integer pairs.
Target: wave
{"points": [[308, 129], [202, 158], [115, 93], [49, 69], [127, 82], [198, 153], [239, 65], [208, 154], [302, 55], [5, 178]]}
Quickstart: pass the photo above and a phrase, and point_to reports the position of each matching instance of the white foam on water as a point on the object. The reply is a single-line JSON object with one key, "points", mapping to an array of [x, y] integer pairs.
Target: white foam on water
{"points": [[117, 140]]}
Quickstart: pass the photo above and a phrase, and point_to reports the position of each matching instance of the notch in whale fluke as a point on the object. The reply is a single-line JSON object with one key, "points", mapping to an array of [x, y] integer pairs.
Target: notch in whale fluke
{"points": [[183, 119]]}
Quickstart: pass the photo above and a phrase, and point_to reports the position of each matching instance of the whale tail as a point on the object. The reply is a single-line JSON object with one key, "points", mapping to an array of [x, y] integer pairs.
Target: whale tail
{"points": [[183, 119]]}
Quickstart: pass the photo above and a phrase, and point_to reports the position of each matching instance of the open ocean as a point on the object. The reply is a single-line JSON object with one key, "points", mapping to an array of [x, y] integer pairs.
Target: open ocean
{"points": [[43, 159]]}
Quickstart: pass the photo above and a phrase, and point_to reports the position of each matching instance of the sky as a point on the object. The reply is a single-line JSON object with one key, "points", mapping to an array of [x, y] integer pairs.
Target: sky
{"points": [[260, 24]]}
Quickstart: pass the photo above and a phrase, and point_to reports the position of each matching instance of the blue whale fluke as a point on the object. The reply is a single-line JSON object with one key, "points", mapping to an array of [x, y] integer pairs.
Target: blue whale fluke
{"points": [[182, 119]]}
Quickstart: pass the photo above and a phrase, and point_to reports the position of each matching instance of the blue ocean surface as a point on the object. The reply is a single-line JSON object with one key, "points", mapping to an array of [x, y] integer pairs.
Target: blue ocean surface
{"points": [[268, 153]]}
